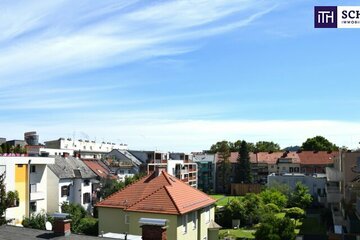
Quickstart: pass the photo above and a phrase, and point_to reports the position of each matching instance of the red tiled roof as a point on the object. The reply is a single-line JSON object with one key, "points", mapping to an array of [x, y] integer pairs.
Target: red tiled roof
{"points": [[317, 158], [158, 194], [97, 168], [304, 157]]}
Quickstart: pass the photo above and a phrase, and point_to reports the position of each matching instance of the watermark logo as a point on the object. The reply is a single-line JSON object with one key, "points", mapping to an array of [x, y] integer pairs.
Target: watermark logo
{"points": [[325, 17], [337, 17]]}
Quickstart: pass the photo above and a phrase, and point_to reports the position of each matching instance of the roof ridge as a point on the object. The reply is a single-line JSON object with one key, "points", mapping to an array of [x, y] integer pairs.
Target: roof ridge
{"points": [[166, 176], [124, 188], [141, 199], [177, 208]]}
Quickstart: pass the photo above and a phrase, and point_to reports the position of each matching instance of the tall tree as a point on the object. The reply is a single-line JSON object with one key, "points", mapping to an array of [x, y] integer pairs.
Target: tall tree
{"points": [[3, 200], [225, 166], [319, 143], [300, 197], [243, 173], [265, 146]]}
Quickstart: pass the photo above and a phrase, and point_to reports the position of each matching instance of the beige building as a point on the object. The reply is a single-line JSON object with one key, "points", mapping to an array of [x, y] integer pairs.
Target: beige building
{"points": [[189, 212]]}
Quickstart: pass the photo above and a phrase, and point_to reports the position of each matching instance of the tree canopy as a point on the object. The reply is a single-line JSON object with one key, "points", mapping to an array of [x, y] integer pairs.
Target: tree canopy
{"points": [[261, 146], [300, 197], [274, 228], [318, 143]]}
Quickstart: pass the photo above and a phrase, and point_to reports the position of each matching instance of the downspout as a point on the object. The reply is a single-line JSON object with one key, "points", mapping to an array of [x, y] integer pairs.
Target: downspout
{"points": [[29, 187]]}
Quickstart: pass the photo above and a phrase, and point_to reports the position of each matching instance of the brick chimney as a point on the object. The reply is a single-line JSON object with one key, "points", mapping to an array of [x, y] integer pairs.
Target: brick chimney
{"points": [[62, 227], [153, 229], [65, 155]]}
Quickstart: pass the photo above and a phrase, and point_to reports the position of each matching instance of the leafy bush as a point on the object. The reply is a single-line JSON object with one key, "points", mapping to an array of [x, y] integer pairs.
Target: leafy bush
{"points": [[88, 226], [295, 213], [273, 228], [271, 208], [274, 196], [37, 220], [76, 211], [300, 197]]}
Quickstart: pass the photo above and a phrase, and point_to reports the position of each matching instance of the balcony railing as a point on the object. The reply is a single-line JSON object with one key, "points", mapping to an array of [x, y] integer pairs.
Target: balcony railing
{"points": [[37, 196], [333, 194]]}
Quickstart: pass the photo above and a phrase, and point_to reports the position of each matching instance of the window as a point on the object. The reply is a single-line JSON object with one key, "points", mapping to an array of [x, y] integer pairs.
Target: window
{"points": [[65, 191], [86, 182], [32, 207], [184, 223], [86, 198], [32, 168], [291, 169], [207, 215], [33, 188], [127, 219]]}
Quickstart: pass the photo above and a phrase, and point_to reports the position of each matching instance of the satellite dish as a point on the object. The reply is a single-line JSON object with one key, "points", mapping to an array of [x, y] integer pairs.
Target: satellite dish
{"points": [[48, 226]]}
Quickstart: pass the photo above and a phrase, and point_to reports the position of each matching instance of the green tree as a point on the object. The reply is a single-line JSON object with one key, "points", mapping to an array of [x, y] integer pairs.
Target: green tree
{"points": [[300, 197], [225, 166], [318, 143], [109, 186], [274, 196], [76, 211], [243, 173], [219, 146], [253, 206], [7, 199], [265, 146], [273, 228], [89, 226], [295, 213], [3, 200]]}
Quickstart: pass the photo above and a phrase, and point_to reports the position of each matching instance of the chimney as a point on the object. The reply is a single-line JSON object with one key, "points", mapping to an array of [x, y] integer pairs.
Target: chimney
{"points": [[65, 155], [62, 225], [153, 229], [159, 169]]}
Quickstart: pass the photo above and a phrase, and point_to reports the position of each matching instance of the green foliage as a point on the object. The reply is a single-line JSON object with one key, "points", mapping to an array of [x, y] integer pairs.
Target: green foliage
{"points": [[7, 200], [300, 197], [318, 143], [110, 186], [243, 169], [273, 228], [76, 211], [271, 208], [88, 226], [264, 146], [37, 220], [254, 207], [274, 196], [6, 148], [295, 212], [3, 200]]}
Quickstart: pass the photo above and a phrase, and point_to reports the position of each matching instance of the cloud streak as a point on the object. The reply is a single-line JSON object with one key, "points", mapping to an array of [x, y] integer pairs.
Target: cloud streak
{"points": [[43, 40]]}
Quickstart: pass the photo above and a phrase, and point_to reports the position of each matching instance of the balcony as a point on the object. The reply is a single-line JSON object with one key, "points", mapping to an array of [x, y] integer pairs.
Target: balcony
{"points": [[333, 194], [333, 175], [37, 196], [337, 216]]}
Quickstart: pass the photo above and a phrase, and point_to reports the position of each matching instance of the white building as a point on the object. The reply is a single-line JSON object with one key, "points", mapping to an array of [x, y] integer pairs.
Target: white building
{"points": [[28, 176], [85, 148], [70, 180], [316, 182], [43, 151]]}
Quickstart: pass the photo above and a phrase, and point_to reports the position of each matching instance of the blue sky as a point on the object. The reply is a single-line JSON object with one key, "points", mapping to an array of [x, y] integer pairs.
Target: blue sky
{"points": [[177, 75]]}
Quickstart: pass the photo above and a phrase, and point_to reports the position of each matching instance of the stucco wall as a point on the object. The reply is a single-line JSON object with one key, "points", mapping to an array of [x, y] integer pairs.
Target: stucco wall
{"points": [[52, 192]]}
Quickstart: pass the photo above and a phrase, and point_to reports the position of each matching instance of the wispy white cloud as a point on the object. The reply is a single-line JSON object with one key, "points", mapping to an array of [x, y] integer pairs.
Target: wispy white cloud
{"points": [[46, 39]]}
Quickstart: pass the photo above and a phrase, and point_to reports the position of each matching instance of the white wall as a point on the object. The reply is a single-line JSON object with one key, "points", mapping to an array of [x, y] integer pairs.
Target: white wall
{"points": [[72, 196]]}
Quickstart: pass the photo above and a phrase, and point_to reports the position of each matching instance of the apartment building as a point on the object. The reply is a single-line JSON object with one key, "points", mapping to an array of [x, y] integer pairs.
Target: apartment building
{"points": [[28, 176], [206, 171], [265, 163], [342, 193], [84, 149], [179, 165]]}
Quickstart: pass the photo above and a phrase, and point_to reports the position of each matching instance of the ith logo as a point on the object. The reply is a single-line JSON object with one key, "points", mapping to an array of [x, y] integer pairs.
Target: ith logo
{"points": [[325, 17]]}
